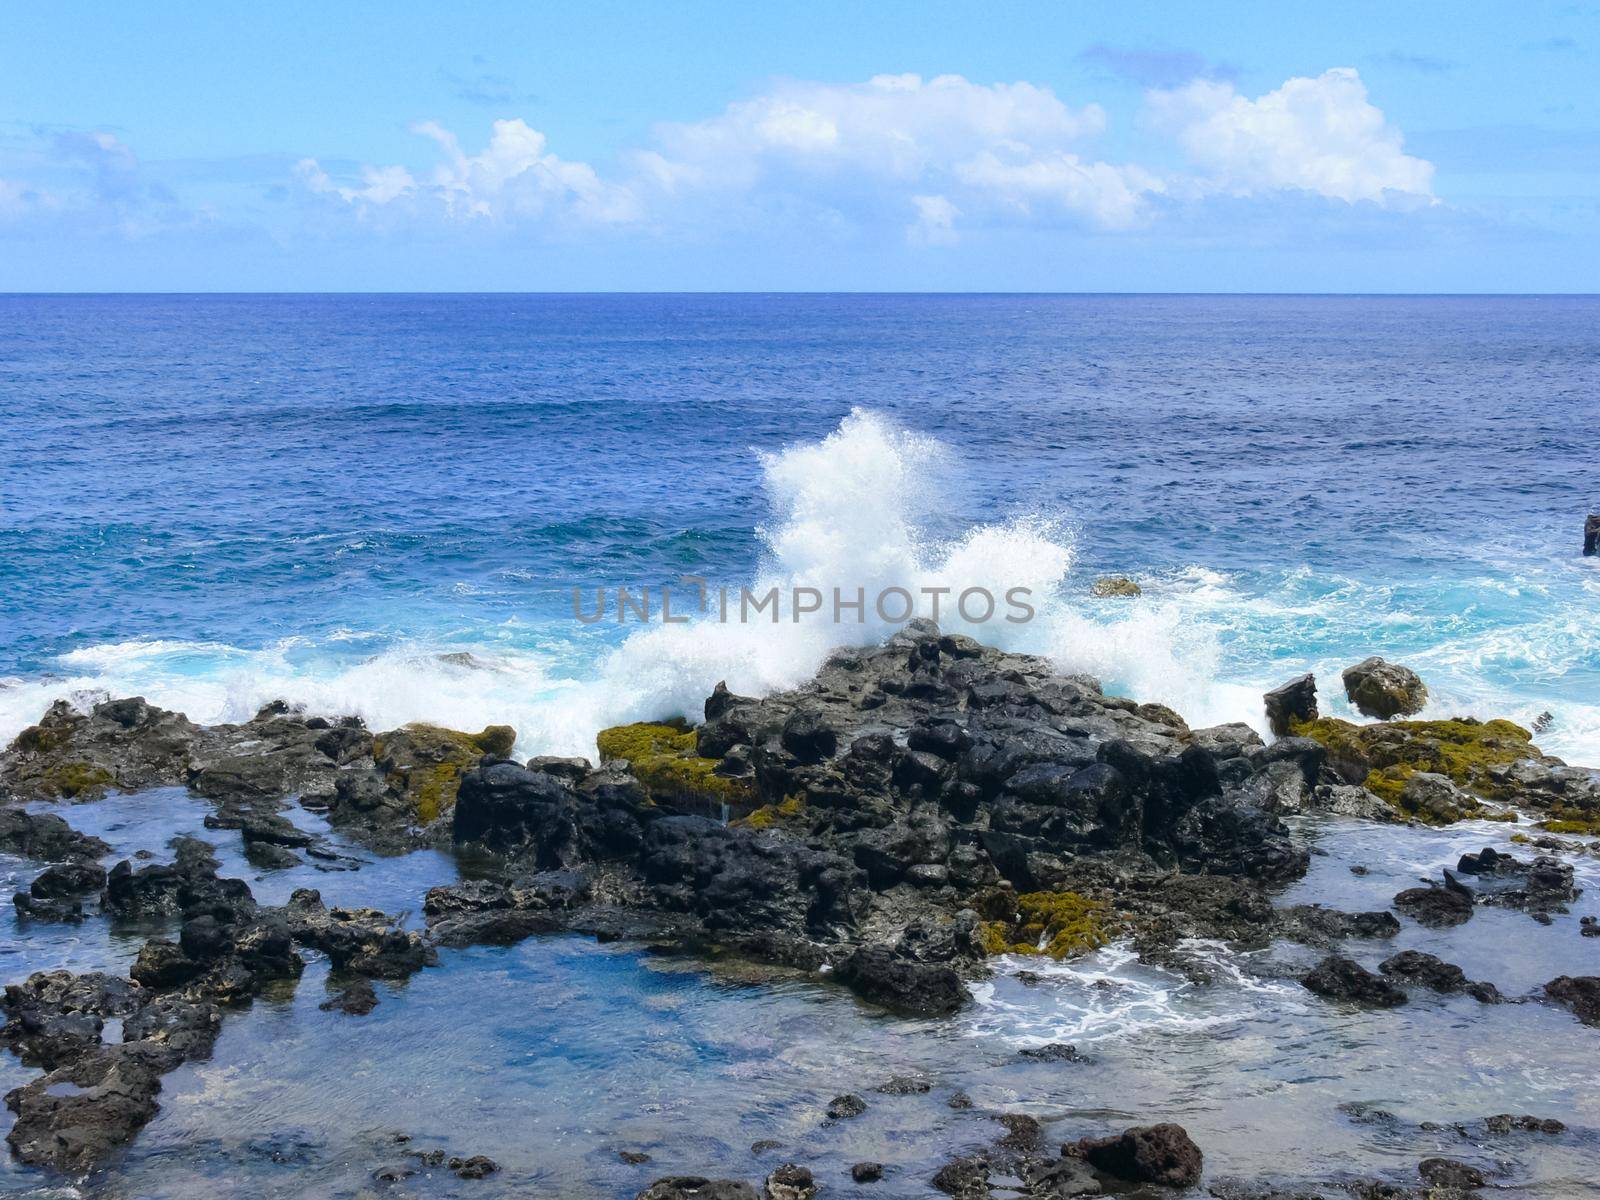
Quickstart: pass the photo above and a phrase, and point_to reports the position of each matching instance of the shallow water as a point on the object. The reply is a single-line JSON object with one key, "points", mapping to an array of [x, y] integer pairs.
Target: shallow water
{"points": [[380, 505], [553, 1055]]}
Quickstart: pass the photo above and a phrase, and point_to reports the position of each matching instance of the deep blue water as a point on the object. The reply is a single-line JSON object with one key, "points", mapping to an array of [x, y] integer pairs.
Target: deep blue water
{"points": [[213, 499], [216, 501]]}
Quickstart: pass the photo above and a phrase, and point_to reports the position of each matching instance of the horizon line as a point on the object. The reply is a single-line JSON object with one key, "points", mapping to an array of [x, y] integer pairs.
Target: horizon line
{"points": [[576, 292]]}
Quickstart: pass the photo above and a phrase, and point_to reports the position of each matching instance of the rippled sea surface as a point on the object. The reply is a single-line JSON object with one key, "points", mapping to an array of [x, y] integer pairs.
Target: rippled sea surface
{"points": [[221, 500], [382, 504]]}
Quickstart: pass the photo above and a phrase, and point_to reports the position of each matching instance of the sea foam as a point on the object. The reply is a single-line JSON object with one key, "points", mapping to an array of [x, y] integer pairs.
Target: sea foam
{"points": [[863, 508]]}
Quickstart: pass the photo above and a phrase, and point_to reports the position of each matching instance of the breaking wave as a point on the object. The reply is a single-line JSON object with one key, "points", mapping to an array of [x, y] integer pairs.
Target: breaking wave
{"points": [[863, 508]]}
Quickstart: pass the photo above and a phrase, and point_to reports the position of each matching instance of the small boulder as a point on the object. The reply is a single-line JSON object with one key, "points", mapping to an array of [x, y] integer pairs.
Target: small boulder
{"points": [[697, 1187], [790, 1182], [1432, 972], [1449, 1173], [1163, 1154], [866, 1172], [1435, 907], [1292, 701], [1115, 585], [1384, 689], [877, 974], [848, 1105]]}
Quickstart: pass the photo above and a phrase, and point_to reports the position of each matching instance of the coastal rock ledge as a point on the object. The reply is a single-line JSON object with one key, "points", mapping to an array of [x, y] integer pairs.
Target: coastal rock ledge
{"points": [[914, 810]]}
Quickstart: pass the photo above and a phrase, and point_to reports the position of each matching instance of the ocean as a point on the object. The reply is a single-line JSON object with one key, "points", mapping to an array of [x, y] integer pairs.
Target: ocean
{"points": [[383, 504]]}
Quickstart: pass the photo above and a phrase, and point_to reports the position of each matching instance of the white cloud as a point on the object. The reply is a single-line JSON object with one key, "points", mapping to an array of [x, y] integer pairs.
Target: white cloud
{"points": [[892, 126], [14, 200], [379, 185], [945, 145], [1319, 135], [933, 156], [935, 223], [1112, 197], [513, 178], [89, 178]]}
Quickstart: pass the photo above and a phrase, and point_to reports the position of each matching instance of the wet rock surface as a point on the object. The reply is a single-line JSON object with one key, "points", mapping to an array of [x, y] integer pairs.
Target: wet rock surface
{"points": [[1383, 689], [1340, 978], [96, 1095], [1431, 972], [913, 811], [1163, 1154], [1580, 993]]}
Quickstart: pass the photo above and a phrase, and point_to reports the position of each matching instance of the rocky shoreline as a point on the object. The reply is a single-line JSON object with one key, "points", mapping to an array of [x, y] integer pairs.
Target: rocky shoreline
{"points": [[916, 809]]}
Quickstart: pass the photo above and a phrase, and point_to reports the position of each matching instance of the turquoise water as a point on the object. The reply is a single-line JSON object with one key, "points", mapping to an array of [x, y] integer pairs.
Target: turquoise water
{"points": [[217, 501], [382, 504]]}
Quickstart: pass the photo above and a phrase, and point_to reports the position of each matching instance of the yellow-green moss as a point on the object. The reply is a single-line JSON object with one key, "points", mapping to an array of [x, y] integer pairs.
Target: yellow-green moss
{"points": [[426, 762], [663, 758], [1115, 585], [992, 935], [76, 779], [1579, 825], [1462, 750], [39, 738], [1058, 924], [787, 811]]}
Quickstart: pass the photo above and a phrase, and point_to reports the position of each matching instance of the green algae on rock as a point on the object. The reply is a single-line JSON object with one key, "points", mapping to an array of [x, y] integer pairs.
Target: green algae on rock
{"points": [[788, 811], [77, 780], [665, 759], [1115, 585], [1384, 757], [425, 763], [1057, 924], [1379, 688]]}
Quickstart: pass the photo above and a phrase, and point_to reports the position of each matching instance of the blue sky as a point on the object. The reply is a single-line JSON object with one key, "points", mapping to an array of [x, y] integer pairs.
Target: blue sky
{"points": [[927, 146]]}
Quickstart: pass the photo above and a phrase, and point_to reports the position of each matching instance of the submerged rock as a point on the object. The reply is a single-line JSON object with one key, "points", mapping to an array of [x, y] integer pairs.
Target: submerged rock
{"points": [[697, 1187], [1340, 978], [1580, 993], [1508, 1123], [1450, 1173], [1383, 689], [1052, 1052], [1434, 906], [356, 998], [1434, 973], [478, 1166]]}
